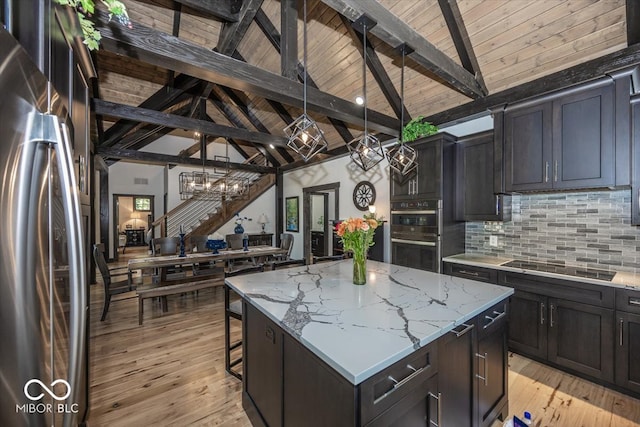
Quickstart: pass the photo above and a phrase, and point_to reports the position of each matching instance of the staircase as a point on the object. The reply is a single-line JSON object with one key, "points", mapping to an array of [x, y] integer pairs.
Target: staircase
{"points": [[204, 216]]}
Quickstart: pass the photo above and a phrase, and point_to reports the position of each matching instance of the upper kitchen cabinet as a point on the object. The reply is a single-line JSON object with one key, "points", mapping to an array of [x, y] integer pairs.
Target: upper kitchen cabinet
{"points": [[635, 176], [480, 179], [567, 140], [435, 171]]}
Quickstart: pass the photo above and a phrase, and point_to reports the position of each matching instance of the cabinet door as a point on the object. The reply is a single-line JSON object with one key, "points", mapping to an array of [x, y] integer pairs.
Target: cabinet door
{"points": [[583, 139], [456, 376], [491, 365], [262, 359], [429, 179], [581, 338], [528, 324], [628, 351], [528, 148], [402, 186], [476, 183], [420, 408]]}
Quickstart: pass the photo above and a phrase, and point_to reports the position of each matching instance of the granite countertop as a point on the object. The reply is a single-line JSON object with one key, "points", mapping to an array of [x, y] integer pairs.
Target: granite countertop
{"points": [[360, 330], [620, 280]]}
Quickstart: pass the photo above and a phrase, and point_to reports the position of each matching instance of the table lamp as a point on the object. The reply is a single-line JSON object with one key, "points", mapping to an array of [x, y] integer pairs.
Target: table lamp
{"points": [[135, 216], [263, 220]]}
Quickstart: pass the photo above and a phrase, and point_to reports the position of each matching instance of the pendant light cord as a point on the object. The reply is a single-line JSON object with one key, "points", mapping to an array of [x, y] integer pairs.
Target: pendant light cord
{"points": [[364, 74], [304, 36], [402, 95]]}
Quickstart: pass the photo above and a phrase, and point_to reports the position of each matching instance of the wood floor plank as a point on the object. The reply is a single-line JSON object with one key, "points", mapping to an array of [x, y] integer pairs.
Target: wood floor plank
{"points": [[170, 372]]}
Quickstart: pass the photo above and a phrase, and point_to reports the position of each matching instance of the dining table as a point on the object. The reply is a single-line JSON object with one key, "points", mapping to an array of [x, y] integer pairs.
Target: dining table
{"points": [[256, 253]]}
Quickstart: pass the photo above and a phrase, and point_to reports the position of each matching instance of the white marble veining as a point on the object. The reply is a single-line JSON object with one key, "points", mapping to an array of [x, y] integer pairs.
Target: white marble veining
{"points": [[620, 280], [360, 330]]}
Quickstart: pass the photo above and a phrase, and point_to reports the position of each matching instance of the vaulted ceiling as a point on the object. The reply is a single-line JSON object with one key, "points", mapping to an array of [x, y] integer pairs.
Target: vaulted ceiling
{"points": [[463, 56]]}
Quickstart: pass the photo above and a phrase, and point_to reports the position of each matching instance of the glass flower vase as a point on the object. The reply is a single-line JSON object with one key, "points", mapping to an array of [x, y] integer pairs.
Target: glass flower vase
{"points": [[359, 267]]}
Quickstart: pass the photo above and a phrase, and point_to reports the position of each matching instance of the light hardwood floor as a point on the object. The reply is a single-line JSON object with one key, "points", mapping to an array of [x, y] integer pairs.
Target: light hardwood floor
{"points": [[170, 372]]}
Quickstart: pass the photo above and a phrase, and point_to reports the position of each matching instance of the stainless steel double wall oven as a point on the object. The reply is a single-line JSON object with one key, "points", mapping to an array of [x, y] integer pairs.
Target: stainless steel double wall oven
{"points": [[415, 234]]}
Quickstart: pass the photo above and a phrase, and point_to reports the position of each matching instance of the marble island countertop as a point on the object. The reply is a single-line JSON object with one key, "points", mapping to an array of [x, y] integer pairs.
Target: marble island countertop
{"points": [[620, 279], [360, 330]]}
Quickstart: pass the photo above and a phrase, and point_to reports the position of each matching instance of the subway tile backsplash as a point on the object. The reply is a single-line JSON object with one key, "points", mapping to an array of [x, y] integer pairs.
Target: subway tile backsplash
{"points": [[588, 229]]}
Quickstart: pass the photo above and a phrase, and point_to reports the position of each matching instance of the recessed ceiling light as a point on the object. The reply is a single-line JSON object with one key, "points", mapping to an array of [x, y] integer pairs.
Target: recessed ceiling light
{"points": [[272, 146], [359, 100]]}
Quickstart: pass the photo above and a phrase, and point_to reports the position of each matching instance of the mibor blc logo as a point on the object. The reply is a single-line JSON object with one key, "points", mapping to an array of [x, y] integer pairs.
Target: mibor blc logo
{"points": [[34, 390]]}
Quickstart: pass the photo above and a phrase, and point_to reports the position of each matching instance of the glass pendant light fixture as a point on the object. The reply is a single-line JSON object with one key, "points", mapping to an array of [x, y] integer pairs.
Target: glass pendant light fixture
{"points": [[402, 158], [365, 150], [305, 137]]}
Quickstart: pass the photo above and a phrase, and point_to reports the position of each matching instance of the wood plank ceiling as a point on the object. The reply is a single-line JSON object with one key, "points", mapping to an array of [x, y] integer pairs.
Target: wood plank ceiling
{"points": [[504, 44]]}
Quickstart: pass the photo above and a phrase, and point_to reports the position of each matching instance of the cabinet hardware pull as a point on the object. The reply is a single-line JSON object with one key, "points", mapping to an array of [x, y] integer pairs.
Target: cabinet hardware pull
{"points": [[546, 171], [542, 313], [497, 205], [634, 301], [484, 358], [551, 316], [466, 329], [470, 273], [493, 319], [425, 212], [621, 332], [555, 171], [413, 242], [438, 400], [397, 384]]}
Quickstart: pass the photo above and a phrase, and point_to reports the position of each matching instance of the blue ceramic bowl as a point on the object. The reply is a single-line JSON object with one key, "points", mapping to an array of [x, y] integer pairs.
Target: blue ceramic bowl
{"points": [[214, 245]]}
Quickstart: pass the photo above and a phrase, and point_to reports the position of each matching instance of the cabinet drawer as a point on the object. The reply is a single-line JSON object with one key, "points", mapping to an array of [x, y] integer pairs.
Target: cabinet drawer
{"points": [[601, 296], [492, 319], [471, 272], [383, 390], [628, 300]]}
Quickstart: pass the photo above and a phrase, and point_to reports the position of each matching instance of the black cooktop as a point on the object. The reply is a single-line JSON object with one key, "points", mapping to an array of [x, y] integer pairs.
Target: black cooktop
{"points": [[591, 273]]}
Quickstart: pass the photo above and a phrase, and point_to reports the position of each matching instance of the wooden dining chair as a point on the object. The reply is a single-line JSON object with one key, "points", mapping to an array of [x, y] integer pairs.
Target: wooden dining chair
{"points": [[199, 244], [111, 286], [168, 246], [317, 259], [233, 310]]}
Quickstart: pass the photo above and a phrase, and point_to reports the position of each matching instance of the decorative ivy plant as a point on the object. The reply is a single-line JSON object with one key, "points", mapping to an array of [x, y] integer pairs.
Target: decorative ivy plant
{"points": [[86, 8], [417, 128]]}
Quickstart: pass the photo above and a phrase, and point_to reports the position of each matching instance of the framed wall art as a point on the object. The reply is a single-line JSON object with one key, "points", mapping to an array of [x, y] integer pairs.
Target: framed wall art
{"points": [[292, 213]]}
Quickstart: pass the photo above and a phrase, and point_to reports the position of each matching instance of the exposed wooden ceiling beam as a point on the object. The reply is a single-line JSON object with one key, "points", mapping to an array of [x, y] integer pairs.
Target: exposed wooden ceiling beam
{"points": [[188, 152], [633, 22], [580, 73], [458, 31], [144, 157], [144, 115], [289, 40], [169, 52], [226, 10], [393, 31], [377, 70], [233, 32], [175, 31]]}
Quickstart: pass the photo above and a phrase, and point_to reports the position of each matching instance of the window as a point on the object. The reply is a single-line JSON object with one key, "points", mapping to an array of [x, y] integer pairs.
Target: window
{"points": [[142, 203]]}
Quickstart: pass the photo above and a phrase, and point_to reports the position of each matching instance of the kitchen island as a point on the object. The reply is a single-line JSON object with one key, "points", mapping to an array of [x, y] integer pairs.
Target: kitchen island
{"points": [[319, 350]]}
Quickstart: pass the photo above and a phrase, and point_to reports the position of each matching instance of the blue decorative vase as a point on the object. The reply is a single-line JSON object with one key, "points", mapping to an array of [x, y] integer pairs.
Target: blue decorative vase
{"points": [[239, 229]]}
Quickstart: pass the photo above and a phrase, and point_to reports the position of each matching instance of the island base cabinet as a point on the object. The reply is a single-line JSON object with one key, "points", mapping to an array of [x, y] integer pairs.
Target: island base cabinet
{"points": [[457, 373], [628, 351]]}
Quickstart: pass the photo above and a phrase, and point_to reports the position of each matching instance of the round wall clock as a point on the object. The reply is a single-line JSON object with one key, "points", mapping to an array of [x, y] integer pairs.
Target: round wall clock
{"points": [[364, 195]]}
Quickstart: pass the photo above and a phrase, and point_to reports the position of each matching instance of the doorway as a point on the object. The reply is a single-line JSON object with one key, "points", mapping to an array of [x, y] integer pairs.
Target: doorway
{"points": [[320, 210], [132, 218]]}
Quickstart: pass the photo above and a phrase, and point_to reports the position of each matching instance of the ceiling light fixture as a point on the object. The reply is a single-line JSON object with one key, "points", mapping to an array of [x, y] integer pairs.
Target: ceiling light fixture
{"points": [[402, 158], [365, 150], [305, 137], [359, 100]]}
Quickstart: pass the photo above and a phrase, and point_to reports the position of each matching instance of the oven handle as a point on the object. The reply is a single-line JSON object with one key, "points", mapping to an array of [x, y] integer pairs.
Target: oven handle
{"points": [[427, 212], [413, 242]]}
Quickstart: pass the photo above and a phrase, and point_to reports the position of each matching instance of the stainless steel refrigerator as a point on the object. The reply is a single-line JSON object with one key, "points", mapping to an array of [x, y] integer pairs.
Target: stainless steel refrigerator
{"points": [[43, 292]]}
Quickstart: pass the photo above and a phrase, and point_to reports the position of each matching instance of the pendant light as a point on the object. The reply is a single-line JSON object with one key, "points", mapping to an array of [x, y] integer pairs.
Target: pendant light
{"points": [[305, 137], [365, 150], [402, 158]]}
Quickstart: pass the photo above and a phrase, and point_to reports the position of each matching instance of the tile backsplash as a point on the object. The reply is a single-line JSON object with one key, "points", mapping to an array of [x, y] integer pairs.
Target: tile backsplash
{"points": [[587, 229]]}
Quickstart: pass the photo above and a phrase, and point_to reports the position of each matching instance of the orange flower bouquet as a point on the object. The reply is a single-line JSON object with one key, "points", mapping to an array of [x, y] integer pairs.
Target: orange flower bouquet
{"points": [[357, 237]]}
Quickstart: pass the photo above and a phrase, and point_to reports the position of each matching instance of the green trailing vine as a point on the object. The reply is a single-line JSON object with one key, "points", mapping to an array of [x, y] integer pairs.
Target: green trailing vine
{"points": [[417, 128], [86, 8]]}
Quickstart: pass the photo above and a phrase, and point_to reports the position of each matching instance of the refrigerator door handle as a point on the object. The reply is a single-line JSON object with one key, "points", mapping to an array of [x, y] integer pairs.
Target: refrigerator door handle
{"points": [[77, 322]]}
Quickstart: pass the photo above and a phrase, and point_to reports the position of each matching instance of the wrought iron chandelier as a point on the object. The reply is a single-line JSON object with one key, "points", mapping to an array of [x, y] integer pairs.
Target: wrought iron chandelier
{"points": [[365, 150], [305, 137], [402, 158], [218, 185]]}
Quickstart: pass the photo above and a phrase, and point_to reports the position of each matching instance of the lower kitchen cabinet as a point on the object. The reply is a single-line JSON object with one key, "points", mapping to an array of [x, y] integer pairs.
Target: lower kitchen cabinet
{"points": [[565, 332], [481, 274], [457, 373], [627, 339]]}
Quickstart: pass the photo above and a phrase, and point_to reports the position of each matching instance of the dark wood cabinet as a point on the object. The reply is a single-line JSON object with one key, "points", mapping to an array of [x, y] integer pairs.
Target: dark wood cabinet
{"points": [[627, 339], [635, 161], [436, 162], [562, 141], [457, 372], [260, 239], [567, 324], [135, 237], [472, 272], [478, 165], [317, 243]]}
